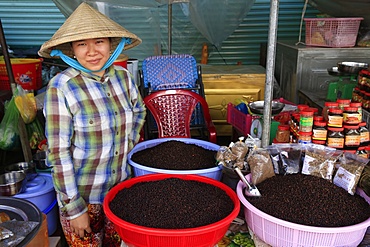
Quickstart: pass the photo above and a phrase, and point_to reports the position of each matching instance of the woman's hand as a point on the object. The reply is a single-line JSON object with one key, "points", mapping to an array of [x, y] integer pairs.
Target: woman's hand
{"points": [[80, 225]]}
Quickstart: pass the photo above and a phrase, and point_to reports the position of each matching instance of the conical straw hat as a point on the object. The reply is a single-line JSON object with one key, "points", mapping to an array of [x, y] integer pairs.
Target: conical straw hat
{"points": [[86, 23]]}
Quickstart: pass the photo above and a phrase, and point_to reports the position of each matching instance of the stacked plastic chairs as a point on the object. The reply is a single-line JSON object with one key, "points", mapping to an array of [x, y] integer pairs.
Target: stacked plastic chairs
{"points": [[169, 72]]}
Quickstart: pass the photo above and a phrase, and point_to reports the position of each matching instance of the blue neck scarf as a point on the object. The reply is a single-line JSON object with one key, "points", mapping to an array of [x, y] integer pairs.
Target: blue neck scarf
{"points": [[75, 64]]}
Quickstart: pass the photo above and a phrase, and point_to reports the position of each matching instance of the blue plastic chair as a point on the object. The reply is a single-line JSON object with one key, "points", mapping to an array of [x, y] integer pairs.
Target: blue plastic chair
{"points": [[167, 72]]}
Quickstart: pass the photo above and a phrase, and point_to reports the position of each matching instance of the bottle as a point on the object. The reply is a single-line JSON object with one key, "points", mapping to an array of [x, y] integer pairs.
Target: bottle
{"points": [[335, 138]]}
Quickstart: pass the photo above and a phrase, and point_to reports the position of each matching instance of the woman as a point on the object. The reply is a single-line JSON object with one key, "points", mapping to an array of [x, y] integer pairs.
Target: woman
{"points": [[94, 115]]}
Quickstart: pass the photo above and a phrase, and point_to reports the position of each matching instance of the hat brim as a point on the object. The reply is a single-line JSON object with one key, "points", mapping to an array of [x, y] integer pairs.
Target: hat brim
{"points": [[87, 23]]}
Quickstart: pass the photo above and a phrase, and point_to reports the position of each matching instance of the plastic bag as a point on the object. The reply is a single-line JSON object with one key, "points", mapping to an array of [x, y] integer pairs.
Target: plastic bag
{"points": [[26, 104], [364, 182], [35, 133], [348, 171], [319, 161], [260, 165], [290, 158], [364, 38], [9, 133]]}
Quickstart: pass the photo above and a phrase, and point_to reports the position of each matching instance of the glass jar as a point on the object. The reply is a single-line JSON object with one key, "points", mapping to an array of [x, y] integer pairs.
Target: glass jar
{"points": [[306, 121], [335, 138], [351, 116], [366, 101], [363, 80], [364, 133], [319, 142], [335, 117], [301, 107], [343, 103], [318, 118], [356, 95], [319, 131], [358, 105], [361, 151], [282, 133], [304, 137], [352, 137], [313, 109], [328, 105]]}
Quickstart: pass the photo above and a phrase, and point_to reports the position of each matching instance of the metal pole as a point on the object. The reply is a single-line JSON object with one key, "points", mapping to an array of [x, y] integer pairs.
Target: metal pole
{"points": [[8, 64], [270, 67]]}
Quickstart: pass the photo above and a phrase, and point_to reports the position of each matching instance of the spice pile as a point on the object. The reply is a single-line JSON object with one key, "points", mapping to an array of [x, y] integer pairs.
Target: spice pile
{"points": [[172, 204], [310, 200], [176, 155]]}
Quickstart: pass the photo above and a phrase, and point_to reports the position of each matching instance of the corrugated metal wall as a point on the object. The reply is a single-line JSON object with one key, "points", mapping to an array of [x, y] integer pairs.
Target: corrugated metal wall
{"points": [[27, 24]]}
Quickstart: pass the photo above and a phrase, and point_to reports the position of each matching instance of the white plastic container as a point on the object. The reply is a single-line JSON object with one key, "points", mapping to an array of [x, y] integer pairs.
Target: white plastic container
{"points": [[139, 170]]}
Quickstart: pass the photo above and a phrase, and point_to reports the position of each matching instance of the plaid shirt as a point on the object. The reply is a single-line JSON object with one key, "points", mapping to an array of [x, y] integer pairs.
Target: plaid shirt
{"points": [[91, 125]]}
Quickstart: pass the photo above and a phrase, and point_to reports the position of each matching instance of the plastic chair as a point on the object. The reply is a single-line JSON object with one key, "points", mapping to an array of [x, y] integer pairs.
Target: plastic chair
{"points": [[173, 110], [167, 72]]}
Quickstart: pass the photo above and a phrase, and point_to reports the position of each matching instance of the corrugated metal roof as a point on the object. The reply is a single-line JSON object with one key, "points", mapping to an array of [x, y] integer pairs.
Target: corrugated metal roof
{"points": [[27, 24]]}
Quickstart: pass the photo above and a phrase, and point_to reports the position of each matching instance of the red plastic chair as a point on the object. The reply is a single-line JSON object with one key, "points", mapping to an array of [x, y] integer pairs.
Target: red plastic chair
{"points": [[173, 111]]}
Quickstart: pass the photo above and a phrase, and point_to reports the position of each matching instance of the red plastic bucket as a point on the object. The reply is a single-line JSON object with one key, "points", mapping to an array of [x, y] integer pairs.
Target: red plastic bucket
{"points": [[140, 236]]}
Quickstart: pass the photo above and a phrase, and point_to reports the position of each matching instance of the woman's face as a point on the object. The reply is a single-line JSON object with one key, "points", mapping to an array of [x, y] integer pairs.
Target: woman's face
{"points": [[92, 53]]}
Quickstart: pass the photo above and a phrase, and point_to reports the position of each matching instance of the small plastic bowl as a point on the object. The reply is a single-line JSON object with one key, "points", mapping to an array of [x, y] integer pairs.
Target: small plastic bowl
{"points": [[12, 183]]}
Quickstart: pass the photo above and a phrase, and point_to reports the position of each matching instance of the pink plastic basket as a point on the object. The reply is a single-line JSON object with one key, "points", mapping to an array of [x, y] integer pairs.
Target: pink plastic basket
{"points": [[277, 232], [332, 32]]}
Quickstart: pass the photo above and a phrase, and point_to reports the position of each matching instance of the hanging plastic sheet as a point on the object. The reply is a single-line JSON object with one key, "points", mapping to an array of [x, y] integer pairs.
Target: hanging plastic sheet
{"points": [[214, 20], [218, 19]]}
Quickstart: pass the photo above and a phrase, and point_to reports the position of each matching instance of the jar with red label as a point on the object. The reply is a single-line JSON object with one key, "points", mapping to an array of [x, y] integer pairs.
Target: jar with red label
{"points": [[335, 138], [319, 131], [335, 117], [352, 137], [351, 116]]}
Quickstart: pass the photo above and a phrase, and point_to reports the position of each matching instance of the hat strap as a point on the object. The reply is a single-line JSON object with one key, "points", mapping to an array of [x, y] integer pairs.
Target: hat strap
{"points": [[75, 64]]}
